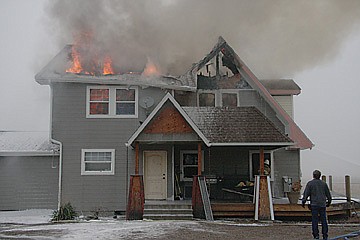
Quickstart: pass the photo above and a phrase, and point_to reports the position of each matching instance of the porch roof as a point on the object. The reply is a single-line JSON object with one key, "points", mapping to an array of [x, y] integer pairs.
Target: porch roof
{"points": [[236, 126], [224, 126]]}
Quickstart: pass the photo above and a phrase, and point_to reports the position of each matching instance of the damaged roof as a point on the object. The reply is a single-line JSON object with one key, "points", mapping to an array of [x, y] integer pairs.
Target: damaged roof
{"points": [[13, 143], [295, 133], [237, 126], [54, 71]]}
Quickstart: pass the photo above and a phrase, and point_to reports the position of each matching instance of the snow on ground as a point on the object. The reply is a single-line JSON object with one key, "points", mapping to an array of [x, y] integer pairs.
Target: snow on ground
{"points": [[35, 224], [32, 216]]}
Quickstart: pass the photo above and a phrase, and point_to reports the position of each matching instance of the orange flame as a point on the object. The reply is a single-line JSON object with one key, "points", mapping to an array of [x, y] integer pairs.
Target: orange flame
{"points": [[151, 69], [86, 57], [76, 66], [108, 69]]}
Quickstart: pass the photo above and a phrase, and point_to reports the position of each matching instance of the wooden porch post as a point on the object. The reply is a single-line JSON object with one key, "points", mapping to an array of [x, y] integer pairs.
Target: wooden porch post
{"points": [[199, 159], [136, 198], [264, 202], [261, 167], [136, 158]]}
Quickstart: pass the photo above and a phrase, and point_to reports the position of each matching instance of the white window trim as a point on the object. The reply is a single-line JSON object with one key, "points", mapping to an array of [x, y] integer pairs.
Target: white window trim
{"points": [[112, 102], [252, 177], [111, 172], [218, 95], [182, 163]]}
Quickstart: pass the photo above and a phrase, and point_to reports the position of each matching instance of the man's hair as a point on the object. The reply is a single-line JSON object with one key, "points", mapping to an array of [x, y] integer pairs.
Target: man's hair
{"points": [[317, 174]]}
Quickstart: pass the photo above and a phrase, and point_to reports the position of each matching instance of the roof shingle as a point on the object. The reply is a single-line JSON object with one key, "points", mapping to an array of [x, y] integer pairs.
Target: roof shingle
{"points": [[235, 125]]}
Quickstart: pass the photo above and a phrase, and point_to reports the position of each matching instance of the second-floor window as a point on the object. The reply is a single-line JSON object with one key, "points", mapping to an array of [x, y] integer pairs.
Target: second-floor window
{"points": [[207, 100], [223, 98], [111, 102]]}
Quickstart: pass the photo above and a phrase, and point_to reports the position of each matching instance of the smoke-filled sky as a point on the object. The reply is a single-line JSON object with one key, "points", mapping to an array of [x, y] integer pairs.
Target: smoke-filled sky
{"points": [[316, 43]]}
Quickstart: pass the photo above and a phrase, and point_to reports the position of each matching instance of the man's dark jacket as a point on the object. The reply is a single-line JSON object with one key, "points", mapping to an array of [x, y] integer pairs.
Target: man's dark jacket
{"points": [[319, 192]]}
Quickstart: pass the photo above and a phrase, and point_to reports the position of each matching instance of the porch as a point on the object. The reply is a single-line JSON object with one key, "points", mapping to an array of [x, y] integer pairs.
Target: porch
{"points": [[181, 210]]}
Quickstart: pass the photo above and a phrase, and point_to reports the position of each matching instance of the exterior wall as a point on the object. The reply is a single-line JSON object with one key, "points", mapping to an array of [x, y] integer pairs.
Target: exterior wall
{"points": [[286, 163], [28, 182], [71, 127], [286, 102]]}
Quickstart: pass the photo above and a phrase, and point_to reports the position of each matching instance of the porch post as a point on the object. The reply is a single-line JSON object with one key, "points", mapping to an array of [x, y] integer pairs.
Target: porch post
{"points": [[262, 167], [199, 159], [264, 201], [136, 198], [136, 158]]}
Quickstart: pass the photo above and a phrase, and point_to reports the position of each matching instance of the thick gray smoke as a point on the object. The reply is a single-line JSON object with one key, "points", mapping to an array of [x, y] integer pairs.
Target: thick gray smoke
{"points": [[275, 38]]}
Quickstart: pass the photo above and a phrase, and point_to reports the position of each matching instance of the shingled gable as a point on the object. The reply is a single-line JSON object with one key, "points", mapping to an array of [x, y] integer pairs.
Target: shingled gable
{"points": [[167, 98], [295, 133]]}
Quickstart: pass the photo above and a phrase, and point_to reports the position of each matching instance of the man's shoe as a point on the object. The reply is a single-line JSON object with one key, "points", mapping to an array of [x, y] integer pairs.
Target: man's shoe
{"points": [[317, 237]]}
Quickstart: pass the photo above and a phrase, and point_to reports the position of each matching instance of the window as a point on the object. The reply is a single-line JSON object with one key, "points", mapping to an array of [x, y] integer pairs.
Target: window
{"points": [[97, 161], [206, 100], [229, 100], [255, 163], [215, 98], [99, 101], [189, 165], [125, 101], [111, 102]]}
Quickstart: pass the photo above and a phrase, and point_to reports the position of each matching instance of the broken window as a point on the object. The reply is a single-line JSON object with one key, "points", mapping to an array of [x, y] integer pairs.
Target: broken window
{"points": [[229, 100], [206, 100]]}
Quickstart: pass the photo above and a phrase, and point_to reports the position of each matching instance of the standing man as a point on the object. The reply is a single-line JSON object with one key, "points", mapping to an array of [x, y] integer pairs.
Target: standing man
{"points": [[320, 198]]}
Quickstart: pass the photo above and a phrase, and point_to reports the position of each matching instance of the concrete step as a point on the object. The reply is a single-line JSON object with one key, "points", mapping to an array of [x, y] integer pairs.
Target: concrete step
{"points": [[166, 210], [168, 206], [168, 216]]}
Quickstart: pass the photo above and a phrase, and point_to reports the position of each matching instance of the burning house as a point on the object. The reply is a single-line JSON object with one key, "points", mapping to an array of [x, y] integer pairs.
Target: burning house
{"points": [[217, 120]]}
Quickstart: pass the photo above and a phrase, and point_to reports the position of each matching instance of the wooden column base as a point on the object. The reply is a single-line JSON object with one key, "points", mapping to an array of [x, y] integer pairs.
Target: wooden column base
{"points": [[135, 206], [264, 201], [197, 204]]}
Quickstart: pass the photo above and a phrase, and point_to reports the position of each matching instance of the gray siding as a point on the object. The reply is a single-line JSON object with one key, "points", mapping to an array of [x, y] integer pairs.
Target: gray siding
{"points": [[286, 163], [28, 182], [71, 127]]}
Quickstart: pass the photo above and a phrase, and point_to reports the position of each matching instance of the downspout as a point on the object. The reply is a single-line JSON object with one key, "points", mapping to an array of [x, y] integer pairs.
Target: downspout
{"points": [[61, 149], [60, 172]]}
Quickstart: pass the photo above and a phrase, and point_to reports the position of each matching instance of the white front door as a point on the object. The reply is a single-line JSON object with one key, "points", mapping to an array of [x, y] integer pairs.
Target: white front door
{"points": [[155, 174]]}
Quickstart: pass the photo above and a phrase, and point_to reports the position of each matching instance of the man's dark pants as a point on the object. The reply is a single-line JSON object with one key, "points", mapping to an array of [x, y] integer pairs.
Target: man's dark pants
{"points": [[317, 211]]}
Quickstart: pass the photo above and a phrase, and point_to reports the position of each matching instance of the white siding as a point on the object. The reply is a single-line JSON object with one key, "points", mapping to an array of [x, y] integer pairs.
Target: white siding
{"points": [[286, 102]]}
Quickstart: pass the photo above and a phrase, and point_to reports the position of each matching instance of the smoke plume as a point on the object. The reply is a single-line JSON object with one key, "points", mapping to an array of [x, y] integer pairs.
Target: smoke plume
{"points": [[275, 38]]}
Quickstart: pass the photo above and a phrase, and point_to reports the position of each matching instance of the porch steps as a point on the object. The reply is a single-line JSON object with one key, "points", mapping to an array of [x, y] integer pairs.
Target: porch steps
{"points": [[168, 210]]}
